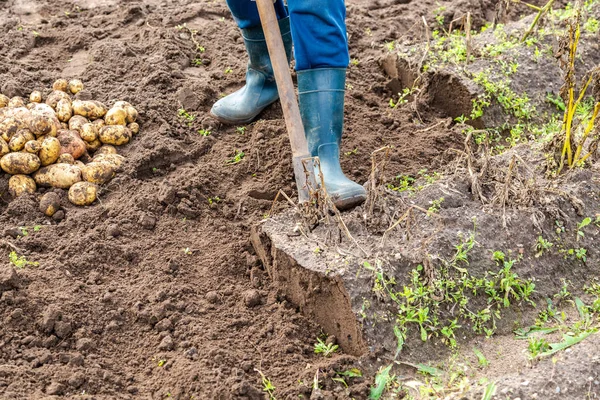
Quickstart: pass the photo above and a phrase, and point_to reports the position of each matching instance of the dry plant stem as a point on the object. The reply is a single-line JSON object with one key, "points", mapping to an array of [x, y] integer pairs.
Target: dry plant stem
{"points": [[542, 11], [377, 177], [505, 192], [588, 130], [468, 37], [281, 192]]}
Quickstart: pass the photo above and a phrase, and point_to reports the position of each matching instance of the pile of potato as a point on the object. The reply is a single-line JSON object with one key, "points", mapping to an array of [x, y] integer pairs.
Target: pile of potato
{"points": [[46, 143]]}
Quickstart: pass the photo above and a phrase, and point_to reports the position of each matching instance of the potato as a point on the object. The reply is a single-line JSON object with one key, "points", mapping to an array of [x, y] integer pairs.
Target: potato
{"points": [[98, 172], [43, 108], [58, 175], [93, 145], [76, 122], [35, 96], [64, 110], [113, 159], [115, 134], [33, 147], [75, 86], [132, 113], [56, 96], [89, 132], [50, 203], [134, 128], [83, 193], [4, 149], [8, 127], [89, 109], [4, 101], [50, 150], [66, 158], [42, 123], [116, 116], [99, 123], [60, 84], [71, 143], [20, 184], [17, 101], [106, 149], [17, 142], [64, 126], [20, 163], [79, 163]]}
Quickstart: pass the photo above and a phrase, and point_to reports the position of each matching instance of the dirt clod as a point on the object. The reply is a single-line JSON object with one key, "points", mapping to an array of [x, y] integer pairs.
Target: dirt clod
{"points": [[252, 298]]}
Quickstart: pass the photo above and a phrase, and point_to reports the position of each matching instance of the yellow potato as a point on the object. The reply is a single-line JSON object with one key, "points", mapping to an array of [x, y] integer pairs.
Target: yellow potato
{"points": [[3, 101], [17, 101], [20, 163], [106, 149], [60, 84], [4, 149], [71, 143], [115, 134], [134, 128], [113, 159], [50, 203], [83, 193], [58, 175], [98, 172], [116, 116], [89, 132], [23, 116], [17, 142], [76, 122], [42, 123], [56, 96], [99, 123], [89, 109], [132, 113], [43, 108], [75, 86], [20, 184], [79, 163], [66, 158], [93, 145], [33, 147], [8, 127], [50, 150], [35, 96], [64, 110]]}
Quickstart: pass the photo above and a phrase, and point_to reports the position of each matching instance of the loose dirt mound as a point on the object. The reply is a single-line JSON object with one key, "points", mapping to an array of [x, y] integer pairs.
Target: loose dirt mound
{"points": [[156, 291]]}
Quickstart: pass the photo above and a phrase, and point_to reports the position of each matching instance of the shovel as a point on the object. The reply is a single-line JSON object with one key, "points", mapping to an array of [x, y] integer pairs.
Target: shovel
{"points": [[302, 161]]}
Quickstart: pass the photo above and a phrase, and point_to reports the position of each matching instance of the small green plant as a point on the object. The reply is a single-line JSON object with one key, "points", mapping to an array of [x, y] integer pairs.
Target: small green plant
{"points": [[197, 61], [435, 207], [20, 262], [351, 152], [483, 362], [213, 200], [228, 70], [402, 97], [581, 225], [326, 349], [186, 116], [238, 156], [204, 132], [187, 251], [537, 346], [542, 245], [161, 363], [241, 130], [354, 62], [268, 386]]}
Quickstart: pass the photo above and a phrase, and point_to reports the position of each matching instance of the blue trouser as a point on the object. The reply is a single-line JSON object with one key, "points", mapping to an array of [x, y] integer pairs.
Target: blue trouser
{"points": [[318, 29]]}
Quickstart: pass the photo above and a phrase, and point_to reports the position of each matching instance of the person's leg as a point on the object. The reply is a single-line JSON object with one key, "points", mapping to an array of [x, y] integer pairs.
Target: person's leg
{"points": [[321, 52], [245, 12], [260, 90]]}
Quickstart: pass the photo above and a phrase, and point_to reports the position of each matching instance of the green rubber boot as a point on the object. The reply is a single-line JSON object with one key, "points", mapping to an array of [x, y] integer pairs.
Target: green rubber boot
{"points": [[321, 98], [243, 106]]}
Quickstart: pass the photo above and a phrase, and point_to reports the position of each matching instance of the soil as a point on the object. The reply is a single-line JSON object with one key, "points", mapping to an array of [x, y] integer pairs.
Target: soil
{"points": [[156, 291]]}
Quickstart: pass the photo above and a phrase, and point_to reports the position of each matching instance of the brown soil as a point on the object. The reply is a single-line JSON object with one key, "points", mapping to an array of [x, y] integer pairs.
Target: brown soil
{"points": [[155, 291]]}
